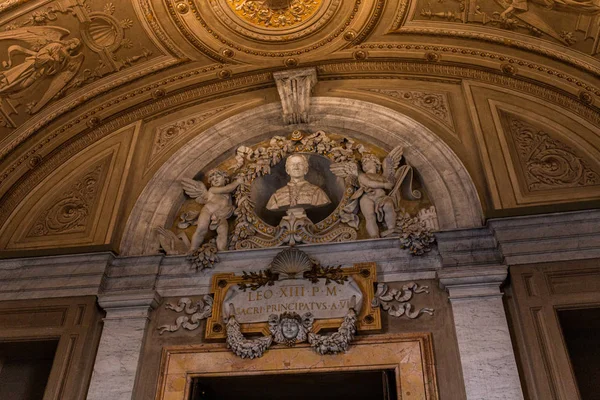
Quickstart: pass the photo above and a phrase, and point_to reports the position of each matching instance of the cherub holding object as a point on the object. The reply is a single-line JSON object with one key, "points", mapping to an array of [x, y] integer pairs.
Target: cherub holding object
{"points": [[379, 193], [217, 208]]}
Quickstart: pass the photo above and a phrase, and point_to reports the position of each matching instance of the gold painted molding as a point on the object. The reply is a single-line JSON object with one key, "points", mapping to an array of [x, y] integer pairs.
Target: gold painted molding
{"points": [[364, 274], [409, 355]]}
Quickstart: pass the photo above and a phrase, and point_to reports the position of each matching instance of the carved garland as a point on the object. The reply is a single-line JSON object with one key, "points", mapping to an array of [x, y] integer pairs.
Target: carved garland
{"points": [[335, 343]]}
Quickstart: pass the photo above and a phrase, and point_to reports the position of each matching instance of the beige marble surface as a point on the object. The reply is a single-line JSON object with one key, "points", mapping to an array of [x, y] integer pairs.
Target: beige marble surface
{"points": [[117, 361], [293, 295], [486, 352]]}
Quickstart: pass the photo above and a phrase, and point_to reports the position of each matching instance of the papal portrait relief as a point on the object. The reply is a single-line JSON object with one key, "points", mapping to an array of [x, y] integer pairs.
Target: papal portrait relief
{"points": [[298, 193]]}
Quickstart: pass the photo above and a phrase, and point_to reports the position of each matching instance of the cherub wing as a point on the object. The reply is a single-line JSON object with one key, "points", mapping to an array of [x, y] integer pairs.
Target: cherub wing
{"points": [[346, 170], [35, 35], [59, 81], [170, 242], [390, 163], [195, 189]]}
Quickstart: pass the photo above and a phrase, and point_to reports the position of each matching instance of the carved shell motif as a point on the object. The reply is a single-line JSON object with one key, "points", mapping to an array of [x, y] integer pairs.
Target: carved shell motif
{"points": [[291, 263]]}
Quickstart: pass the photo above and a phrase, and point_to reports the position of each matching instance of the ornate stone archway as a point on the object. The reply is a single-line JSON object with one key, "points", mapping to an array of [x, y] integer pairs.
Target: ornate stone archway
{"points": [[445, 178]]}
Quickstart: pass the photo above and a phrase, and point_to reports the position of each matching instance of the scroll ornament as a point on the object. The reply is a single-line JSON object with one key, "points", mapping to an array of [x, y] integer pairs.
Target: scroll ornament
{"points": [[397, 302], [202, 309]]}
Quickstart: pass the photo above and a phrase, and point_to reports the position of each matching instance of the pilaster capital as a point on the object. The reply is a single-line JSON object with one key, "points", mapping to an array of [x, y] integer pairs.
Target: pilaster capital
{"points": [[468, 247], [469, 282], [129, 304]]}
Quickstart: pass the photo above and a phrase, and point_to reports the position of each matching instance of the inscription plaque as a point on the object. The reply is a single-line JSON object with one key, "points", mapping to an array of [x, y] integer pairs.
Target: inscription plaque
{"points": [[293, 295]]}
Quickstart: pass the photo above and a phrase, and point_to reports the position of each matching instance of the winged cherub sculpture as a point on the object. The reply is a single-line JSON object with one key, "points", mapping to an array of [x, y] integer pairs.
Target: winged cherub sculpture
{"points": [[217, 208], [379, 193], [47, 57]]}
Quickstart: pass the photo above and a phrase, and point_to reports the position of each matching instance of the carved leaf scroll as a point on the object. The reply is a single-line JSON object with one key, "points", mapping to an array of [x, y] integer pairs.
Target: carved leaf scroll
{"points": [[547, 162], [397, 301], [435, 104], [195, 312], [70, 212], [166, 135]]}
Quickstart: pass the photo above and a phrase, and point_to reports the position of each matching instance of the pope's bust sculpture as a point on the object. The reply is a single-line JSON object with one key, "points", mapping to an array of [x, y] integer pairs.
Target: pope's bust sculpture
{"points": [[298, 193]]}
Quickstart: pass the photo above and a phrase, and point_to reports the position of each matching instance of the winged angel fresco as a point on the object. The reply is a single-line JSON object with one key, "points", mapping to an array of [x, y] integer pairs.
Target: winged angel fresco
{"points": [[46, 57], [379, 194]]}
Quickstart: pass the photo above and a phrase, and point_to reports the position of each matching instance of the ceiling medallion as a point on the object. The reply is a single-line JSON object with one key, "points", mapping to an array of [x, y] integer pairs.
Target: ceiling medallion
{"points": [[275, 14]]}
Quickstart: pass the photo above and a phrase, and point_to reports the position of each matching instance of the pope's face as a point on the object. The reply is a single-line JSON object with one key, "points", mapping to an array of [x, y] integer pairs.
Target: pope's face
{"points": [[296, 167], [289, 329]]}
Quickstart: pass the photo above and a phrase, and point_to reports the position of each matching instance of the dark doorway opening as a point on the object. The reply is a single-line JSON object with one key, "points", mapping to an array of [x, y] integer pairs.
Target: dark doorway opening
{"points": [[581, 329], [25, 368], [347, 385]]}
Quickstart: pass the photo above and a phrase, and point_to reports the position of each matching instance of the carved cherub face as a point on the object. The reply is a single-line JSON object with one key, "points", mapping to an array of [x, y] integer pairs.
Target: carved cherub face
{"points": [[370, 164], [289, 328], [217, 178], [296, 166], [73, 44]]}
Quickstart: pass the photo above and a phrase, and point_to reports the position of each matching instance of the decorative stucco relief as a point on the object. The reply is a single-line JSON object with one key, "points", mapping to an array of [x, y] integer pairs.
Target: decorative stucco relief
{"points": [[547, 162], [275, 13], [194, 313], [570, 22], [78, 199], [396, 302], [435, 104], [308, 188], [47, 59], [166, 136], [70, 213], [291, 302], [249, 33], [573, 25]]}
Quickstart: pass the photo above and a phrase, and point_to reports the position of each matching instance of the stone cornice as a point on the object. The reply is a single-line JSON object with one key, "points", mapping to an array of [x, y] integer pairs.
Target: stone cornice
{"points": [[468, 263], [471, 282], [548, 237], [129, 304]]}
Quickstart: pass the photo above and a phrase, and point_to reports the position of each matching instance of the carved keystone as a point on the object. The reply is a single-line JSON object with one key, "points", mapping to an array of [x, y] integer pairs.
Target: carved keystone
{"points": [[294, 89]]}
